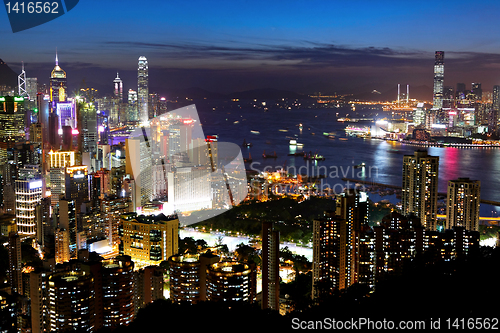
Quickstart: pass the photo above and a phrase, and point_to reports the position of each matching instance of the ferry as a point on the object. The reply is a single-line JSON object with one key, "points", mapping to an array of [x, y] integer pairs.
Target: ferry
{"points": [[292, 142], [314, 157], [246, 144], [255, 132], [362, 165], [249, 159], [343, 139]]}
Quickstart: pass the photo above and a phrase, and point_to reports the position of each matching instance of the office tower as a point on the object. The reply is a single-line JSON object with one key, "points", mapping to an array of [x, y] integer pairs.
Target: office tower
{"points": [[132, 109], [12, 124], [15, 263], [495, 111], [58, 86], [61, 159], [419, 115], [67, 221], [142, 89], [188, 276], [87, 128], [71, 301], [231, 281], [153, 103], [43, 221], [118, 88], [21, 84], [180, 137], [77, 185], [148, 286], [28, 196], [111, 209], [139, 166], [61, 240], [462, 206], [53, 131], [189, 188], [149, 240], [420, 187], [32, 88], [448, 97], [477, 91], [270, 266], [438, 80]]}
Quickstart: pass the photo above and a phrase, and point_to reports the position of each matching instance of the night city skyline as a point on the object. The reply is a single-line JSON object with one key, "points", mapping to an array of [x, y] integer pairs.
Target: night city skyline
{"points": [[248, 164], [297, 46]]}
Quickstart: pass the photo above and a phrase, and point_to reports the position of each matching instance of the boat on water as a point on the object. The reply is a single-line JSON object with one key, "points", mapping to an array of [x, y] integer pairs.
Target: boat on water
{"points": [[249, 159], [343, 139], [236, 122], [264, 155], [301, 153], [246, 144], [362, 165], [300, 127], [292, 142], [314, 157], [283, 130], [255, 132], [300, 144]]}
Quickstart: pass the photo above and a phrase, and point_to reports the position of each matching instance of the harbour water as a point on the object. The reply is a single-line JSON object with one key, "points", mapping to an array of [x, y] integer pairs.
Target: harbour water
{"points": [[271, 131]]}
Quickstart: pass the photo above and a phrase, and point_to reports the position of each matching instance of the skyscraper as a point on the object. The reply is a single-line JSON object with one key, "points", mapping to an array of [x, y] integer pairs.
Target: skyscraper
{"points": [[420, 187], [495, 111], [132, 111], [270, 266], [118, 87], [58, 86], [438, 80], [142, 89], [28, 196], [15, 263], [462, 208]]}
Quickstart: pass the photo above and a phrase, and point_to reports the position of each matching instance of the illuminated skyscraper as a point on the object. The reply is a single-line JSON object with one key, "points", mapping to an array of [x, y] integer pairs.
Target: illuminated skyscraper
{"points": [[132, 110], [58, 86], [28, 196], [495, 111], [61, 240], [118, 88], [15, 263], [231, 281], [420, 187], [438, 80], [462, 208], [142, 89]]}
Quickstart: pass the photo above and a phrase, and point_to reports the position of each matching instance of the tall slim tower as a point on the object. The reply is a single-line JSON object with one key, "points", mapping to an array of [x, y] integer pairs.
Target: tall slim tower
{"points": [[118, 87], [142, 89], [21, 83], [420, 187], [462, 208], [58, 86], [270, 266], [438, 80]]}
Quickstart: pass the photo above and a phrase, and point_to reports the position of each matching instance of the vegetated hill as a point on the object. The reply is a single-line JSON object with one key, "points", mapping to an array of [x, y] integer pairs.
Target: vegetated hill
{"points": [[7, 76]]}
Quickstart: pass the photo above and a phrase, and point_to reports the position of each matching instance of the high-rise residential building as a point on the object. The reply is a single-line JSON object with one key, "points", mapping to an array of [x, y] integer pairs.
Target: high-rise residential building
{"points": [[15, 263], [438, 80], [118, 88], [336, 244], [58, 86], [71, 301], [149, 240], [61, 241], [111, 210], [188, 276], [148, 286], [270, 266], [28, 196], [231, 281], [142, 89], [38, 300], [77, 185], [462, 204], [420, 187]]}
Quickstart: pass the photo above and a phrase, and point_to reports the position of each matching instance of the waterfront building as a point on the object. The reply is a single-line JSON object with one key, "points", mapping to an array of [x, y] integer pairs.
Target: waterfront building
{"points": [[420, 187], [462, 204]]}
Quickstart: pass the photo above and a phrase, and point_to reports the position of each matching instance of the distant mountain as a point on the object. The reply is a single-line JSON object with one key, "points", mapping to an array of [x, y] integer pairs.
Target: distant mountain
{"points": [[267, 93], [194, 93], [390, 93], [7, 76]]}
